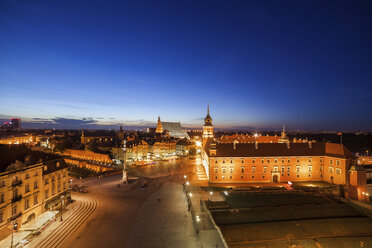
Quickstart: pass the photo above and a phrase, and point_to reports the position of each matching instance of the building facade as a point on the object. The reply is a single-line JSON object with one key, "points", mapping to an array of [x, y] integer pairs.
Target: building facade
{"points": [[25, 192], [276, 162]]}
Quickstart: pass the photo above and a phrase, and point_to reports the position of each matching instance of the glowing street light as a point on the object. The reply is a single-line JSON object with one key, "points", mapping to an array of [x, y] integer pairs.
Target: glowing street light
{"points": [[185, 176], [187, 183], [190, 194], [226, 193]]}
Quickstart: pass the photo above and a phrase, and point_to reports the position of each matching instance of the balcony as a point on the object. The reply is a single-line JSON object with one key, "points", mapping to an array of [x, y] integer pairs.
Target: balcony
{"points": [[17, 198], [16, 183]]}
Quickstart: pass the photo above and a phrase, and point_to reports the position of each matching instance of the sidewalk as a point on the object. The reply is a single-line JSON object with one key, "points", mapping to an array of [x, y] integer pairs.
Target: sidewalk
{"points": [[68, 211], [209, 233]]}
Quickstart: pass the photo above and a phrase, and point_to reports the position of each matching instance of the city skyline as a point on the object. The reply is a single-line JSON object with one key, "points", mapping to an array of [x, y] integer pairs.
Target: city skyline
{"points": [[259, 66]]}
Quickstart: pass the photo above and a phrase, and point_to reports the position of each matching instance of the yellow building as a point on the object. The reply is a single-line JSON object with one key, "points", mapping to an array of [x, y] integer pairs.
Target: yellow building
{"points": [[27, 191]]}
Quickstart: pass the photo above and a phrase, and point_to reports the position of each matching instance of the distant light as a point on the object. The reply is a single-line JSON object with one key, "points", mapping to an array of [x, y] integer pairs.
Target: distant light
{"points": [[367, 194], [187, 183], [255, 135], [289, 182], [226, 193], [190, 194], [211, 193], [185, 176], [363, 193]]}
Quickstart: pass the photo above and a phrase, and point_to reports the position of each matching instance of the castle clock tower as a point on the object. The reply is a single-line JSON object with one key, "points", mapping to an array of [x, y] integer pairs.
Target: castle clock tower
{"points": [[207, 128]]}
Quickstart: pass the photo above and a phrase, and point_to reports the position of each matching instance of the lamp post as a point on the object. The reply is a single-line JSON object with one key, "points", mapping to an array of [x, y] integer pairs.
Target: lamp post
{"points": [[125, 178], [14, 226], [61, 205]]}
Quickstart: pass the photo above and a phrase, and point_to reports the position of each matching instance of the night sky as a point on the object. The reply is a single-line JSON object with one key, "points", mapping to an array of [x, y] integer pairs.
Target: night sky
{"points": [[259, 64]]}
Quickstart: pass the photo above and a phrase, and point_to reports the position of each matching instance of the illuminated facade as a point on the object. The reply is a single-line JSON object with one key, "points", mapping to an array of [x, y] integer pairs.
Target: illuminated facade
{"points": [[242, 159], [28, 191], [277, 162], [87, 155], [19, 139]]}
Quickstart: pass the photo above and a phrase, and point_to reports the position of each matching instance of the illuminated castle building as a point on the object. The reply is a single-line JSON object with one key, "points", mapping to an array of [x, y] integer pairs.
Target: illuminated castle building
{"points": [[231, 161]]}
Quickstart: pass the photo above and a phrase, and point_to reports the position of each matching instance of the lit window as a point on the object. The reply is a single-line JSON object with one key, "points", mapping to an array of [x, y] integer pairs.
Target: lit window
{"points": [[215, 169], [264, 168], [223, 170], [223, 177], [254, 169], [321, 168], [298, 168], [310, 168], [330, 170], [338, 171], [275, 168], [338, 162]]}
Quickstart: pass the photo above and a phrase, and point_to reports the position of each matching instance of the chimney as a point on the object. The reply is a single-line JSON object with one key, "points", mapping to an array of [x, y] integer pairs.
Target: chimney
{"points": [[256, 144], [310, 144], [234, 144], [288, 145]]}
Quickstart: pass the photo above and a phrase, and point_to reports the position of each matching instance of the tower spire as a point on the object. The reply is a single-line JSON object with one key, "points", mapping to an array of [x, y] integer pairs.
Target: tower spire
{"points": [[208, 109]]}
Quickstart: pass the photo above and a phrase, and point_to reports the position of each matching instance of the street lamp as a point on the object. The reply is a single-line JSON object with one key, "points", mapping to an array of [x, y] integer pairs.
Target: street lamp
{"points": [[61, 205], [14, 227], [185, 176], [190, 194], [210, 193], [226, 193], [187, 183]]}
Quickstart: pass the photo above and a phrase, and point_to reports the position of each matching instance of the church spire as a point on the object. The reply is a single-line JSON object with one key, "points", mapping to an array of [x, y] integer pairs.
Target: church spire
{"points": [[159, 126]]}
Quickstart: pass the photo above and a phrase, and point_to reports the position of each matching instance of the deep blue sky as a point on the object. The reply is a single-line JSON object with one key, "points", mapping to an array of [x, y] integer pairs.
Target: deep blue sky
{"points": [[259, 64]]}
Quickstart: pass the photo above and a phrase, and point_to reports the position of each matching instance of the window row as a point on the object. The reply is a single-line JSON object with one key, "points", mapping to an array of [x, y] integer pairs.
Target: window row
{"points": [[231, 161], [275, 169]]}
